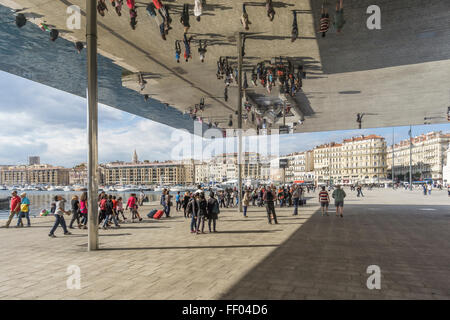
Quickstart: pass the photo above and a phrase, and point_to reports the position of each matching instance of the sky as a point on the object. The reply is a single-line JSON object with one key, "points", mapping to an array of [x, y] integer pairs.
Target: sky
{"points": [[36, 120]]}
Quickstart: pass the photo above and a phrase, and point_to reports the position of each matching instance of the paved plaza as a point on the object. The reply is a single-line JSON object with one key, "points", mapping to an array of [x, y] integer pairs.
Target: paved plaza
{"points": [[306, 257]]}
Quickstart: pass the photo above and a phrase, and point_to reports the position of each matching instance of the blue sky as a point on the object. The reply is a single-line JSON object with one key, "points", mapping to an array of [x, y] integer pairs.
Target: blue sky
{"points": [[39, 120]]}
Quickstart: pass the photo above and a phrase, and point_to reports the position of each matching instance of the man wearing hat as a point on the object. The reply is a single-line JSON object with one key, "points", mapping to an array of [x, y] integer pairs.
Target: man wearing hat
{"points": [[14, 207], [24, 210]]}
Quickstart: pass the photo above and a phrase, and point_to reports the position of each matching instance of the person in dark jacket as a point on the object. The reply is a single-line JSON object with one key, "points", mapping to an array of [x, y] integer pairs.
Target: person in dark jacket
{"points": [[269, 197], [185, 203], [213, 211], [75, 212], [109, 211], [193, 210], [202, 207]]}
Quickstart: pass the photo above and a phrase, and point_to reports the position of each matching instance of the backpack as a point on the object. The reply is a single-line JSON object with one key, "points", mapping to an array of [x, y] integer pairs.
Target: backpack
{"points": [[215, 209]]}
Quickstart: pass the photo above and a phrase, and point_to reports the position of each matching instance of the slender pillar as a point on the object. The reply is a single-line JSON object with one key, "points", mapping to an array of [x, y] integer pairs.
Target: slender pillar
{"points": [[410, 158], [239, 47], [92, 123], [393, 159]]}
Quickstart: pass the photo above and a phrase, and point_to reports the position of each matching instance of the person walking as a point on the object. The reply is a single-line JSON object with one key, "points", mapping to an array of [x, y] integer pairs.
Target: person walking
{"points": [[212, 211], [198, 9], [83, 210], [430, 187], [246, 201], [75, 204], [270, 10], [14, 207], [110, 214], [24, 210], [59, 216], [339, 20], [244, 18], [295, 198], [269, 197], [324, 200], [324, 20], [178, 201], [132, 205], [177, 50], [185, 18], [338, 196], [294, 33], [202, 50], [120, 209], [187, 47]]}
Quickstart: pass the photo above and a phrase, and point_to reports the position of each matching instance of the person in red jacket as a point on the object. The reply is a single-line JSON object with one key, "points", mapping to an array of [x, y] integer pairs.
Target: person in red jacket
{"points": [[132, 205], [14, 207]]}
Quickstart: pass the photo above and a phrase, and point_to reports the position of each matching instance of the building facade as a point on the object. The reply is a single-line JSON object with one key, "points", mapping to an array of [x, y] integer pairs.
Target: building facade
{"points": [[356, 160], [146, 173], [34, 174], [300, 167], [446, 169], [428, 155]]}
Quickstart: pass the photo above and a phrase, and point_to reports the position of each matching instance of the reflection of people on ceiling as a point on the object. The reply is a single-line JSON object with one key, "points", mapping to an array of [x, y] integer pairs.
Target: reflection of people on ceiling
{"points": [[324, 20], [339, 16], [294, 27]]}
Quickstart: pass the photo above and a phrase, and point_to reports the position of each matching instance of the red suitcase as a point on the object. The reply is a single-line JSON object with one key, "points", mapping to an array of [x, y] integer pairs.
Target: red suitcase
{"points": [[158, 214]]}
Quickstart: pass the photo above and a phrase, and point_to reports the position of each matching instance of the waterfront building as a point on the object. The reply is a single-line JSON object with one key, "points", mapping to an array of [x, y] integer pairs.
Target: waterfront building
{"points": [[34, 174], [429, 155]]}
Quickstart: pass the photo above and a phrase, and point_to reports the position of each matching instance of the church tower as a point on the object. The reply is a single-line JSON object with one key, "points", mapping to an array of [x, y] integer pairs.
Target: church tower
{"points": [[135, 157]]}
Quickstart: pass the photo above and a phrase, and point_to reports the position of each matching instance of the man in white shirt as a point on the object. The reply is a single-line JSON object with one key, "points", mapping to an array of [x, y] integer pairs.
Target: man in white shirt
{"points": [[198, 9]]}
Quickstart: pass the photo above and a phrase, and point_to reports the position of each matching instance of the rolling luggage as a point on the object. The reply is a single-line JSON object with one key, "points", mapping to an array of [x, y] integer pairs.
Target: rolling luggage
{"points": [[152, 213], [158, 214]]}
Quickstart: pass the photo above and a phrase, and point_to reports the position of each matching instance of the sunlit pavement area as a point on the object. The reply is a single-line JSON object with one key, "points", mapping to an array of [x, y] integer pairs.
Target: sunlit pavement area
{"points": [[304, 257]]}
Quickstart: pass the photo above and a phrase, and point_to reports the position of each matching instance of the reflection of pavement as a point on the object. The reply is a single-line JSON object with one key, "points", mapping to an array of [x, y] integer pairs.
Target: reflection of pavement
{"points": [[302, 257]]}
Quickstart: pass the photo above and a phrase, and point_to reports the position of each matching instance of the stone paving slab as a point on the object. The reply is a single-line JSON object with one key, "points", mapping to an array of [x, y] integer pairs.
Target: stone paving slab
{"points": [[304, 257]]}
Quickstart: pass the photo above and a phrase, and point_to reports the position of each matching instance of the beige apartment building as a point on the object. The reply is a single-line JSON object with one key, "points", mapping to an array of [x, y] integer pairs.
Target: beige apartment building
{"points": [[34, 174], [146, 173], [356, 160], [428, 153], [225, 167], [300, 167]]}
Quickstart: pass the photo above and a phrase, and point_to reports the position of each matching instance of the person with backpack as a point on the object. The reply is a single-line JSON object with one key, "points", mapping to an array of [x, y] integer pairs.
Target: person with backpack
{"points": [[212, 211], [338, 196], [269, 197], [109, 211], [24, 210], [21, 20]]}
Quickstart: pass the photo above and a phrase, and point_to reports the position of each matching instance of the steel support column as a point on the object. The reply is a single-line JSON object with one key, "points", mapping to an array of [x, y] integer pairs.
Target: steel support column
{"points": [[92, 123]]}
